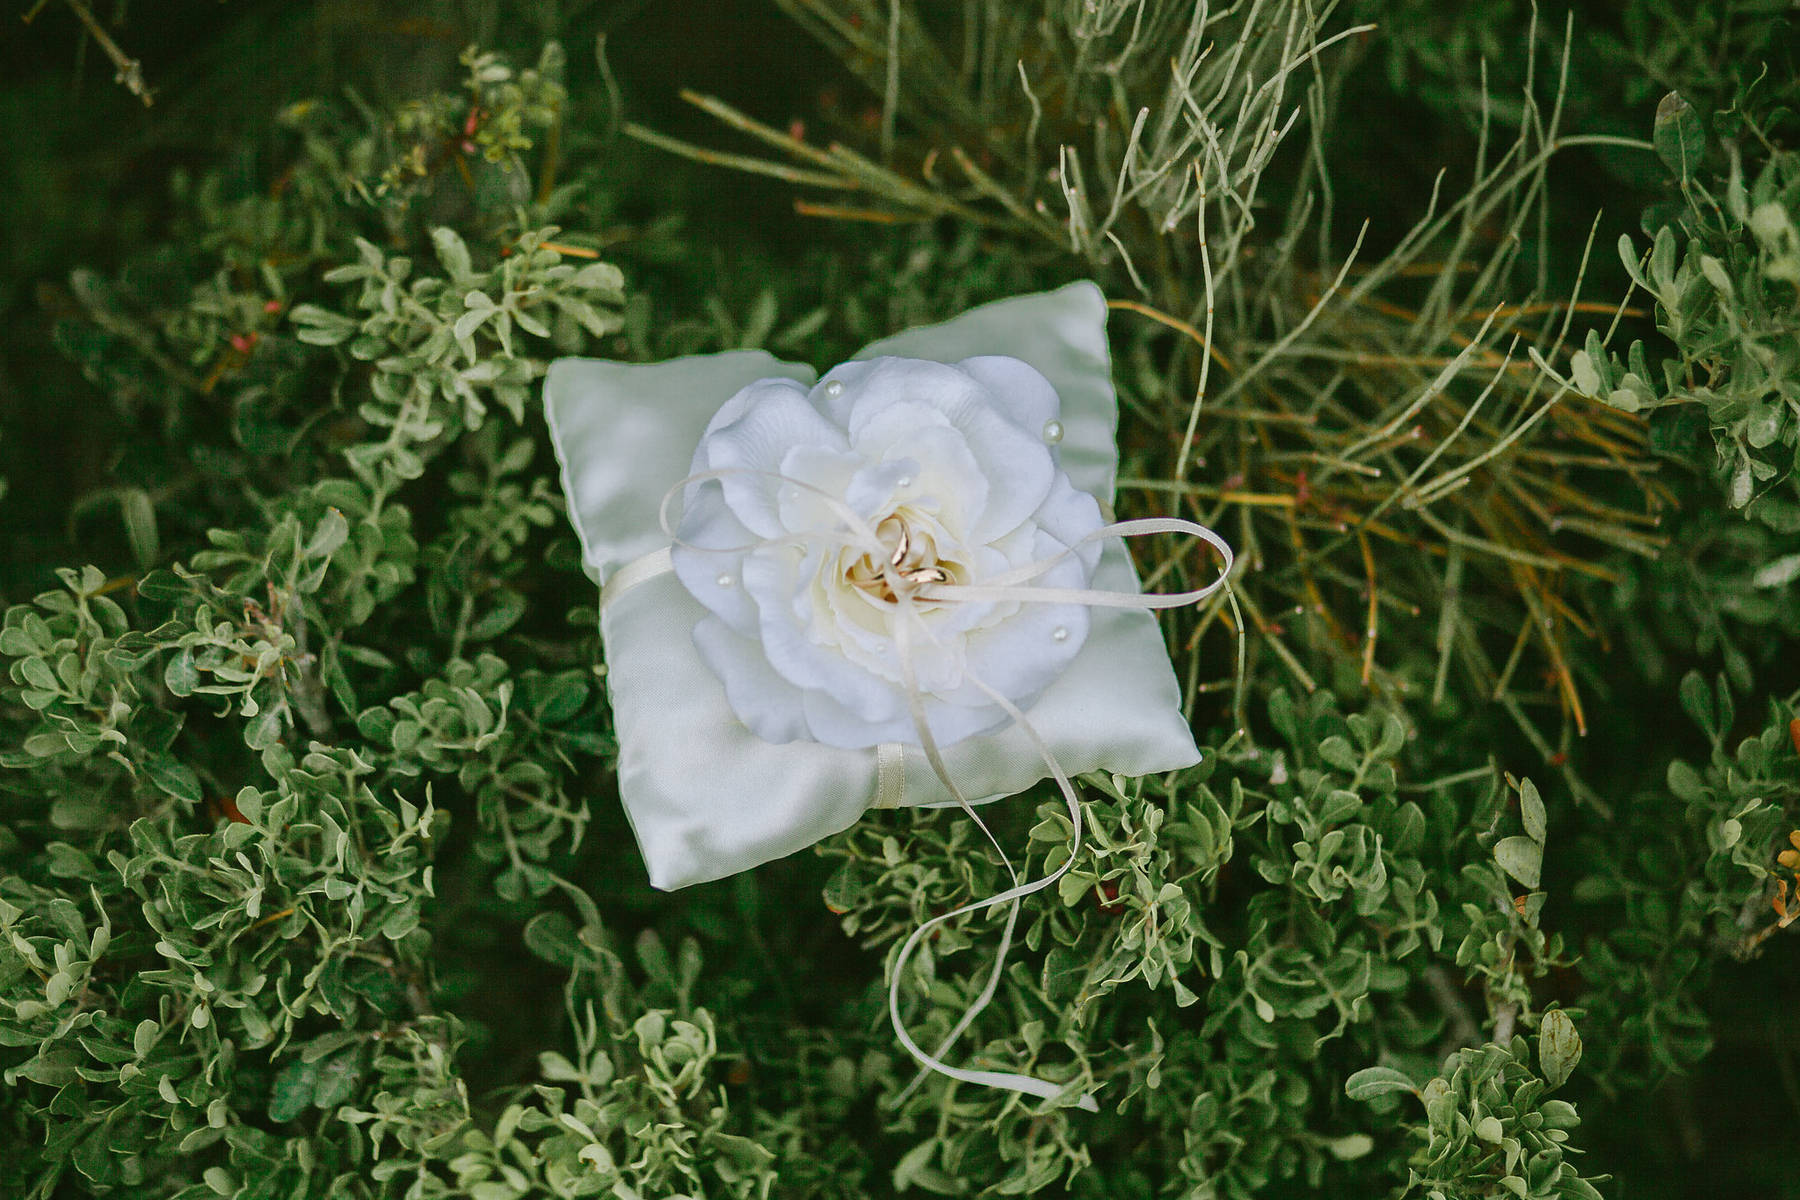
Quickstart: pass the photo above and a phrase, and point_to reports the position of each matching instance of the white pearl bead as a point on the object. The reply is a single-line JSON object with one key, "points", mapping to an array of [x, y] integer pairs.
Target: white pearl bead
{"points": [[1053, 432], [724, 580], [905, 481], [1060, 634], [834, 389]]}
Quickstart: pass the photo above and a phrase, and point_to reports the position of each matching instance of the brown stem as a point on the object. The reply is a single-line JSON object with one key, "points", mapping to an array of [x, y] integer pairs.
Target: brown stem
{"points": [[130, 71]]}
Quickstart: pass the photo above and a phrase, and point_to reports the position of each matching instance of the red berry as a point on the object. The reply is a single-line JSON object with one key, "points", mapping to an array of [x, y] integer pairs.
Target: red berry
{"points": [[1108, 892]]}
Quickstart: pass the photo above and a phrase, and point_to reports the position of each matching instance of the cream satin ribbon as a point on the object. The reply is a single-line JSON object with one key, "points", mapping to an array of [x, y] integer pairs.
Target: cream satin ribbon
{"points": [[638, 570], [1014, 585]]}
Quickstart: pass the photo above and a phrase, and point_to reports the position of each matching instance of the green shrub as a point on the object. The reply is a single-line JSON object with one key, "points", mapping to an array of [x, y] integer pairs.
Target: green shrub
{"points": [[313, 881]]}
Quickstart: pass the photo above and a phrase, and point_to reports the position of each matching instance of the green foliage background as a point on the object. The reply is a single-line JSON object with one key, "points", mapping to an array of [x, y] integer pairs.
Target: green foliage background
{"points": [[1477, 332]]}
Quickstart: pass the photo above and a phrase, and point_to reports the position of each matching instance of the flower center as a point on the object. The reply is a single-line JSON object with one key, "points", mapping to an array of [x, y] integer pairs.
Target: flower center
{"points": [[910, 556]]}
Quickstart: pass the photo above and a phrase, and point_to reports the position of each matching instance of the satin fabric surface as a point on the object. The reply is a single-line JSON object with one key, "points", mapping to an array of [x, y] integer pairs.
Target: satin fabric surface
{"points": [[706, 797]]}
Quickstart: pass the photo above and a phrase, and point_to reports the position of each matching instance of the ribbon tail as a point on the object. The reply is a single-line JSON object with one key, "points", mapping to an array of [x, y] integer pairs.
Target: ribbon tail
{"points": [[1007, 1080]]}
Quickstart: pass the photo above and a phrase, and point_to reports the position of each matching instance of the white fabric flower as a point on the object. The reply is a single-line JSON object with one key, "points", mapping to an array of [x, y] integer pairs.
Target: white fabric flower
{"points": [[953, 468]]}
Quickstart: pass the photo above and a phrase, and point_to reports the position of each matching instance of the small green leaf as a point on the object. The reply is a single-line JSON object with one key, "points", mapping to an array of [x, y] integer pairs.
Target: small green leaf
{"points": [[174, 778], [1697, 702], [1685, 782], [1778, 573], [508, 607], [1350, 1147], [292, 1091], [337, 1080], [1521, 858], [557, 1068], [1679, 135], [331, 532], [1587, 379], [37, 673], [1531, 811], [139, 513], [162, 585], [916, 1169], [452, 252], [1764, 424], [1743, 484], [320, 327], [1714, 272], [1370, 1082], [263, 731], [1440, 1103], [551, 936], [1559, 1047], [469, 322], [1336, 752], [181, 676]]}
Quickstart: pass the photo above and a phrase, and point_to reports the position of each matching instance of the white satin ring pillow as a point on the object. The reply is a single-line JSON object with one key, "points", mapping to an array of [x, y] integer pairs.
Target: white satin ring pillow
{"points": [[706, 797]]}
